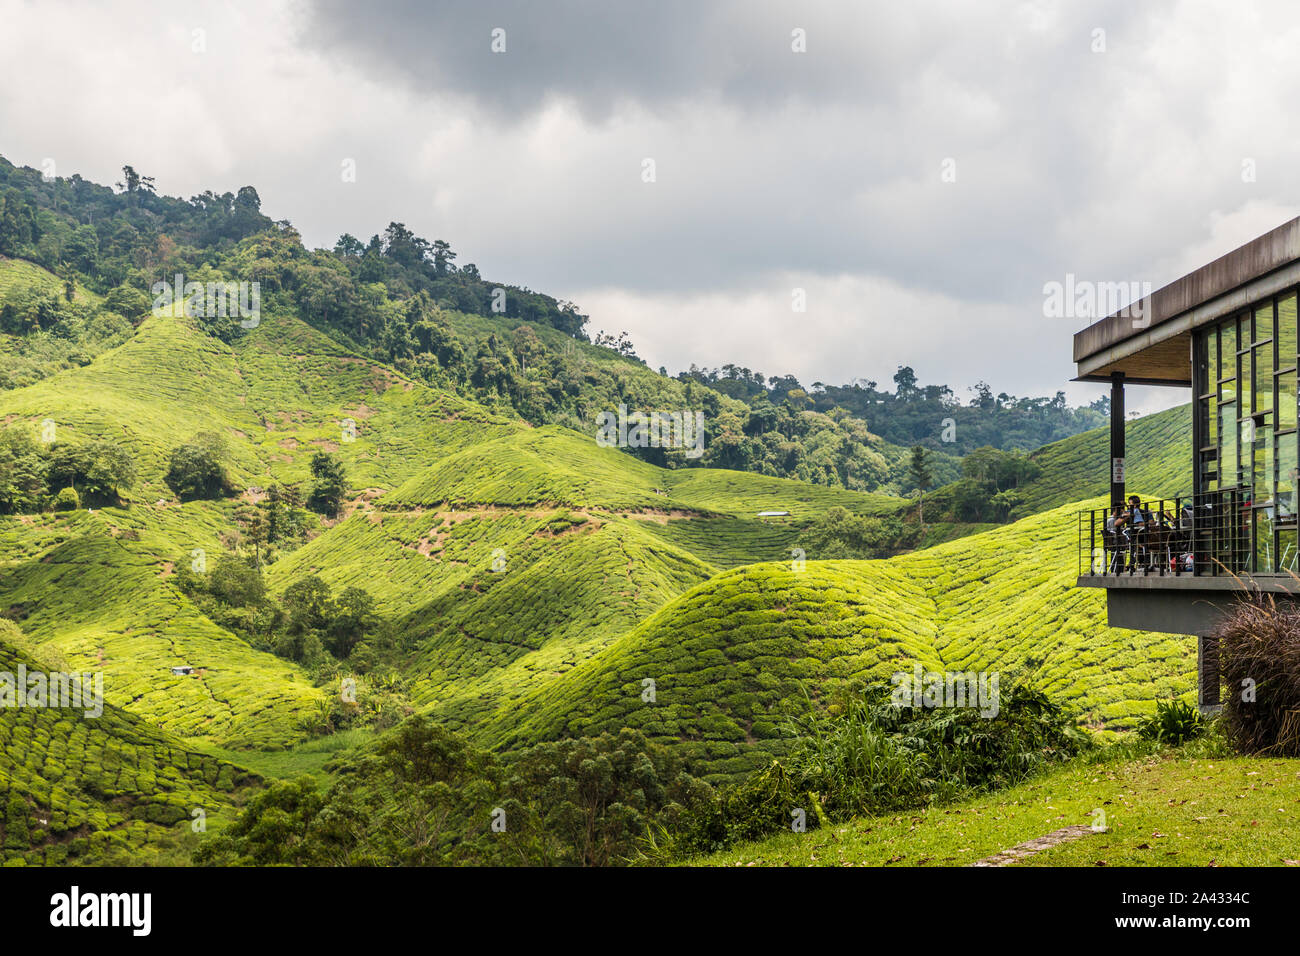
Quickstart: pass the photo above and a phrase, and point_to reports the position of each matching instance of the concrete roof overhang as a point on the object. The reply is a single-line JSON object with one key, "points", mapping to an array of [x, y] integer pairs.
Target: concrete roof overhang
{"points": [[1155, 348]]}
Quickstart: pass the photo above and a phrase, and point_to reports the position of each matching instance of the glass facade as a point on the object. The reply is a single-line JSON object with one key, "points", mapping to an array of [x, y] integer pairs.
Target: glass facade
{"points": [[1245, 380]]}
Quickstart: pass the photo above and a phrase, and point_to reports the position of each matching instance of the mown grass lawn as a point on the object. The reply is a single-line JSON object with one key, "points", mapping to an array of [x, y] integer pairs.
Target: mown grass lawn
{"points": [[1167, 810]]}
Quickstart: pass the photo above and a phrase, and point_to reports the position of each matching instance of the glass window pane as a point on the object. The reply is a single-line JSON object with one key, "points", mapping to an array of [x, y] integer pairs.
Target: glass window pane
{"points": [[1244, 378], [1286, 550], [1212, 422], [1262, 462], [1227, 445], [1212, 359], [1263, 531], [1264, 322], [1262, 495], [1286, 474], [1228, 350], [1286, 400], [1263, 378], [1286, 331]]}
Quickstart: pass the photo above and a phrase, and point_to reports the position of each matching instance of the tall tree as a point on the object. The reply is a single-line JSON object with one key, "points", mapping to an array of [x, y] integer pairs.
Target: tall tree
{"points": [[919, 469]]}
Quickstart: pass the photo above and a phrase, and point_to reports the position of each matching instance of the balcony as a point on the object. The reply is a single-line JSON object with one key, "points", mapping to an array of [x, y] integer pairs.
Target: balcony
{"points": [[1181, 569]]}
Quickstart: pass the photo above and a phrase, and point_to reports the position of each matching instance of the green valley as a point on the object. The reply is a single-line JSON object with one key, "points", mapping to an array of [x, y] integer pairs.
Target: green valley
{"points": [[376, 519]]}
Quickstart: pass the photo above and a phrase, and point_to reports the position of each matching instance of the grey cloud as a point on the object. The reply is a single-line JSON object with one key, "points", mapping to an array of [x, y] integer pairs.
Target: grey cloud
{"points": [[835, 159], [600, 54]]}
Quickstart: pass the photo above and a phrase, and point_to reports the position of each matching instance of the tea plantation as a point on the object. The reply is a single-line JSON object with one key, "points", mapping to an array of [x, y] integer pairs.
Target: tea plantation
{"points": [[102, 789], [534, 585]]}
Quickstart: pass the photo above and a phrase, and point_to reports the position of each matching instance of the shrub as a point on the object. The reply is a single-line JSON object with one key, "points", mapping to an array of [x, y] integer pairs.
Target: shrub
{"points": [[1174, 722], [22, 470], [129, 302], [98, 469], [195, 471], [1259, 659], [841, 534], [67, 500], [869, 756], [237, 583], [330, 484]]}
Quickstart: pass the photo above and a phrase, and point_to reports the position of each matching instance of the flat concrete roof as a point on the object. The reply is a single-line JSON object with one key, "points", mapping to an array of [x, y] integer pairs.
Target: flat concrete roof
{"points": [[1156, 350]]}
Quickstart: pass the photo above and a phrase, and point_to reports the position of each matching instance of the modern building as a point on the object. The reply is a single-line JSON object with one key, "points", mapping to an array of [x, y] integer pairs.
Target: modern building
{"points": [[1227, 333]]}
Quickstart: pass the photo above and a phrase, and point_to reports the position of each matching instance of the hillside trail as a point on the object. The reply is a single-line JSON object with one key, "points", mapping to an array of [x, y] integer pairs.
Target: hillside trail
{"points": [[1022, 851]]}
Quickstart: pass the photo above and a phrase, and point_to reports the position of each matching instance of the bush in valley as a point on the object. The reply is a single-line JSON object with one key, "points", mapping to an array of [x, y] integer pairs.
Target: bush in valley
{"points": [[307, 624], [1259, 662], [99, 470], [865, 755], [421, 795], [840, 534], [35, 475], [330, 484], [195, 471], [989, 488], [67, 500]]}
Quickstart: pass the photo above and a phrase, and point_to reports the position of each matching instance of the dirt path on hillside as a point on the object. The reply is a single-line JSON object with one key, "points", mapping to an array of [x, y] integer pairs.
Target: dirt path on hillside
{"points": [[1027, 849]]}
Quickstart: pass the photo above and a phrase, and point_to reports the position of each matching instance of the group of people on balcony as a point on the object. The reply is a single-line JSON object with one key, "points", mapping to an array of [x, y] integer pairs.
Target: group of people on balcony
{"points": [[1138, 538]]}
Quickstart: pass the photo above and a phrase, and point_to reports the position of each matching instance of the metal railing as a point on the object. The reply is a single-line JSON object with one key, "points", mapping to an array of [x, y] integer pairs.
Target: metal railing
{"points": [[1192, 535]]}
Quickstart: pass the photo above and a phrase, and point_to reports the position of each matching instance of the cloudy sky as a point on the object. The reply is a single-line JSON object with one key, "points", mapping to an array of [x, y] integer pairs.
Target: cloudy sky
{"points": [[919, 170]]}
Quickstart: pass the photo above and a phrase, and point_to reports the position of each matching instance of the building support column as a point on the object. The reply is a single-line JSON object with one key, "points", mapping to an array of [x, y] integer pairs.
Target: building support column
{"points": [[1207, 675], [1117, 439]]}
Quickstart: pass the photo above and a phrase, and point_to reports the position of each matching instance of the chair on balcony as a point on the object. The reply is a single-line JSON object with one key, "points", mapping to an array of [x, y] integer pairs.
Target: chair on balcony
{"points": [[1115, 544]]}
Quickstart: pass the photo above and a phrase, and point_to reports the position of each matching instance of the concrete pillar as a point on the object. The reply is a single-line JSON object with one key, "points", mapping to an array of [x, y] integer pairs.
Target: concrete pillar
{"points": [[1117, 439], [1207, 674]]}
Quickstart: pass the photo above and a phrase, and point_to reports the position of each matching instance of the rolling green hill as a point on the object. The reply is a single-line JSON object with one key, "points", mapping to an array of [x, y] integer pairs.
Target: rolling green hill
{"points": [[728, 655], [101, 788], [1157, 453], [525, 585]]}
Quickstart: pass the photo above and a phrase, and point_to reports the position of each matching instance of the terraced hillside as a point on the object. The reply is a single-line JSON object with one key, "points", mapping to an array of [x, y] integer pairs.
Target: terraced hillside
{"points": [[98, 604], [513, 561], [96, 586], [727, 657], [1158, 460], [104, 788]]}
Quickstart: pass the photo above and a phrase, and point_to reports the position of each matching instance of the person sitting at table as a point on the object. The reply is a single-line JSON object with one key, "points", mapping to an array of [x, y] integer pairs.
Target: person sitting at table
{"points": [[1116, 539], [1136, 521]]}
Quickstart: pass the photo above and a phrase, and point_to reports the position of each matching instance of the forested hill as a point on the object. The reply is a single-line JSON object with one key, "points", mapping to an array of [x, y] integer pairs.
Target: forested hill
{"points": [[407, 302], [914, 414]]}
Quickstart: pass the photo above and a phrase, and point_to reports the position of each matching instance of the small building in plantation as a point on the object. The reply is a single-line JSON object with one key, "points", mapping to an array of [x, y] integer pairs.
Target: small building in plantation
{"points": [[1226, 334], [183, 670]]}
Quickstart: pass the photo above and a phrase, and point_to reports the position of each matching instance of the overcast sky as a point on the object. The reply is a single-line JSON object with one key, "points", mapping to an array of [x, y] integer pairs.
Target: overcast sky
{"points": [[919, 170]]}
